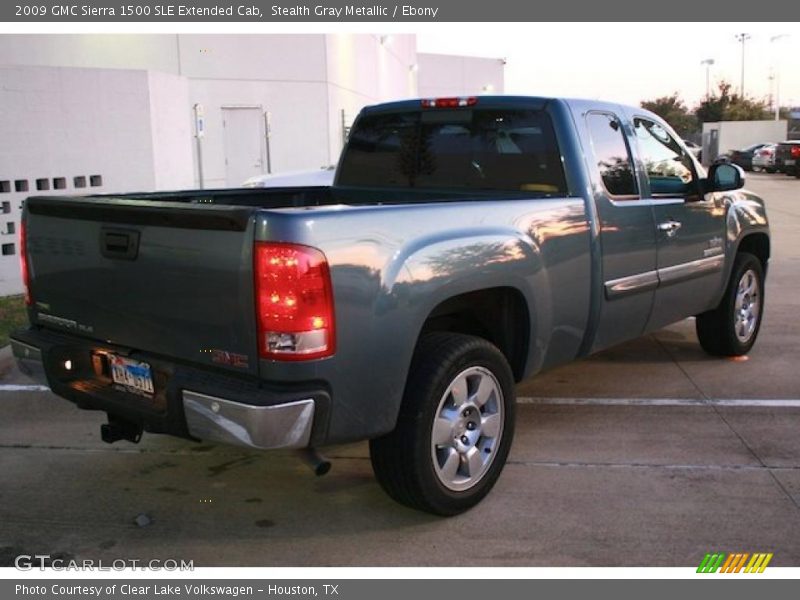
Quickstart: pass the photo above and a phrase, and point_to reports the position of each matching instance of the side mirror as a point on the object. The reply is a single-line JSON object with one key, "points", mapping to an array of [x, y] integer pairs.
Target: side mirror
{"points": [[724, 177]]}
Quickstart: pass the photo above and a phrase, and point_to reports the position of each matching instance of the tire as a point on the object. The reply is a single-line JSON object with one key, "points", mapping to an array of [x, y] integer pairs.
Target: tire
{"points": [[731, 329], [455, 426]]}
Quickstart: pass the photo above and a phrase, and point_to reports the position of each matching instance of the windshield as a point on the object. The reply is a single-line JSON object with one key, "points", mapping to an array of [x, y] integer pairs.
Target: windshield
{"points": [[480, 149]]}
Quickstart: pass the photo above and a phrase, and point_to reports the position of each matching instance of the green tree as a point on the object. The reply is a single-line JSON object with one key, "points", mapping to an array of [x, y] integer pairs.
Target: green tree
{"points": [[673, 110], [725, 105]]}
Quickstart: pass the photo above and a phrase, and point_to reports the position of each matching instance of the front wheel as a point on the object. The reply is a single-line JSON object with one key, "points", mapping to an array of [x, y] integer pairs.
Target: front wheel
{"points": [[731, 328], [455, 426]]}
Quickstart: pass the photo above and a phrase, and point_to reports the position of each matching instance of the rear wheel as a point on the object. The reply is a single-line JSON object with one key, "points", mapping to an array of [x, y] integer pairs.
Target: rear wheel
{"points": [[731, 328], [455, 426]]}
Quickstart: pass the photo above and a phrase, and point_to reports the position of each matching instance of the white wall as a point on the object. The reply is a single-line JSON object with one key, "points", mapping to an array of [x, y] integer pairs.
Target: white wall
{"points": [[68, 123], [171, 130], [734, 135], [446, 75], [364, 70], [284, 75], [296, 57], [299, 122], [117, 51], [739, 134]]}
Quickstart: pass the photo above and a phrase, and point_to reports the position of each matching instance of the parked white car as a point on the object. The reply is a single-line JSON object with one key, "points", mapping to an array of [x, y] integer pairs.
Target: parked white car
{"points": [[764, 158]]}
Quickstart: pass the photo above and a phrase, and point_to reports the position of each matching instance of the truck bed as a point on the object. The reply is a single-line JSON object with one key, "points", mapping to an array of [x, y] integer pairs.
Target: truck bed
{"points": [[167, 272]]}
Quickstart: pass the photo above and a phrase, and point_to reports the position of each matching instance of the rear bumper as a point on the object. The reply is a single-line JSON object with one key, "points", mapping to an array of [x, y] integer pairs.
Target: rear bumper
{"points": [[216, 419], [29, 361], [190, 402]]}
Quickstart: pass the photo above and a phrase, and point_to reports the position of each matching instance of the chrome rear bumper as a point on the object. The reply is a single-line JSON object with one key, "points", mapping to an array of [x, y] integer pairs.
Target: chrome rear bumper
{"points": [[211, 418], [29, 361], [219, 420]]}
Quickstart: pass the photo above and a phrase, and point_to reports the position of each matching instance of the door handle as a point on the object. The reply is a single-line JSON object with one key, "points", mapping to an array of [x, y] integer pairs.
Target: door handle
{"points": [[119, 243], [669, 227]]}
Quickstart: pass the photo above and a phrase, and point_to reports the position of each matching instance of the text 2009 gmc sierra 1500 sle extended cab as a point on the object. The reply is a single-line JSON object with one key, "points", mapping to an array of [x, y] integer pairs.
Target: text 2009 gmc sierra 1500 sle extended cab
{"points": [[466, 244]]}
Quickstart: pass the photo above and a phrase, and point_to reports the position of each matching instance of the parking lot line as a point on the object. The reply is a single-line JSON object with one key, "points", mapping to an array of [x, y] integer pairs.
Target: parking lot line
{"points": [[23, 388], [746, 402], [742, 402]]}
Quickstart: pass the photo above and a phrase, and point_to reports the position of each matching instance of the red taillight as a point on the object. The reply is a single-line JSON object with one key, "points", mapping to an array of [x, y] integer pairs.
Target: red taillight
{"points": [[449, 102], [294, 302], [795, 151], [24, 268]]}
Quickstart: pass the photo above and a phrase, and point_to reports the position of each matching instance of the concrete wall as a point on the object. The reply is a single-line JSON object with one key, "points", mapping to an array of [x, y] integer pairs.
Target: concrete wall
{"points": [[299, 122], [144, 52], [284, 75], [58, 127], [171, 131], [364, 70], [69, 122], [90, 130], [445, 75], [734, 135]]}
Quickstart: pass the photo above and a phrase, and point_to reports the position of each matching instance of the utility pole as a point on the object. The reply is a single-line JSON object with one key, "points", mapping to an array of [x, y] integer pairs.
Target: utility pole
{"points": [[777, 58], [742, 38], [707, 63]]}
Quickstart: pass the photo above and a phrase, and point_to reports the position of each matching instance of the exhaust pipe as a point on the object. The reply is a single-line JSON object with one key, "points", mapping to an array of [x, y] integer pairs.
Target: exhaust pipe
{"points": [[118, 429], [318, 463]]}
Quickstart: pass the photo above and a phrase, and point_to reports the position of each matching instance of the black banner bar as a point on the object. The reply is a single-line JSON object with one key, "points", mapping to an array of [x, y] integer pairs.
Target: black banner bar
{"points": [[734, 587], [321, 11]]}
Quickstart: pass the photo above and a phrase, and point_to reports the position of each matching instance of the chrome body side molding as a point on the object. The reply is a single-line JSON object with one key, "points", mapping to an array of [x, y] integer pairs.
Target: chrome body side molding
{"points": [[649, 280]]}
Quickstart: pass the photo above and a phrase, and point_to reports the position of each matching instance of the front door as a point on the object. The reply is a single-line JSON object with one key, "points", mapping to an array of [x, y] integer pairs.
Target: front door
{"points": [[627, 231], [690, 227], [244, 144]]}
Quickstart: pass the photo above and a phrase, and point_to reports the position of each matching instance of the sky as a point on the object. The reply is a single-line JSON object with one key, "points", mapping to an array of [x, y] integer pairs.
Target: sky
{"points": [[630, 62]]}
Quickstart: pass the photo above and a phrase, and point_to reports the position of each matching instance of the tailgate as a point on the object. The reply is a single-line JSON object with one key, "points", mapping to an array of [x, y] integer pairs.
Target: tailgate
{"points": [[165, 277]]}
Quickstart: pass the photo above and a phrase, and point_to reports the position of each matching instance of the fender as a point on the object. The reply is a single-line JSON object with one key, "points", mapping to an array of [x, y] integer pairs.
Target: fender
{"points": [[746, 215], [433, 269]]}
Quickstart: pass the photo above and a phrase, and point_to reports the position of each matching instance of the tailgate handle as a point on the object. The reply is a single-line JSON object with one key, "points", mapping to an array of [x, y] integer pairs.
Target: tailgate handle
{"points": [[119, 243]]}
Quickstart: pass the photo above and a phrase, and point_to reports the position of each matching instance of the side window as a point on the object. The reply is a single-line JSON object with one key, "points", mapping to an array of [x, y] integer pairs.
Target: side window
{"points": [[612, 155], [669, 169]]}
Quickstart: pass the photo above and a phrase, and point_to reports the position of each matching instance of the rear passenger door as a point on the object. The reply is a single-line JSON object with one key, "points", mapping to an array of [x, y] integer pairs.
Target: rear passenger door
{"points": [[690, 226], [627, 229]]}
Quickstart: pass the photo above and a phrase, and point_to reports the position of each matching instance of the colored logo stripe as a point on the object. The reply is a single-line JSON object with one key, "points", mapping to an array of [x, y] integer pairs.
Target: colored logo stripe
{"points": [[711, 562], [758, 563], [734, 562]]}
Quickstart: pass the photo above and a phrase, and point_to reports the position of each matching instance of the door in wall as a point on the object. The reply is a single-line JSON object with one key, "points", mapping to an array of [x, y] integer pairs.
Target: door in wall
{"points": [[244, 144]]}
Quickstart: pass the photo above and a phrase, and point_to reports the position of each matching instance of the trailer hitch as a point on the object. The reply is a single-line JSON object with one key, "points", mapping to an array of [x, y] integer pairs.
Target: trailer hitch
{"points": [[119, 429]]}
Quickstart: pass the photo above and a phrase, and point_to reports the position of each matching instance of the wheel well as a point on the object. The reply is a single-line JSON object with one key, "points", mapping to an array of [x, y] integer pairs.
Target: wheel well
{"points": [[756, 244], [499, 315]]}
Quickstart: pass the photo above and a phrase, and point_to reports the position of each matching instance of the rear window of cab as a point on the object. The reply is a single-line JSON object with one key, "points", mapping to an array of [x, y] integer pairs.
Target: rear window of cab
{"points": [[469, 149]]}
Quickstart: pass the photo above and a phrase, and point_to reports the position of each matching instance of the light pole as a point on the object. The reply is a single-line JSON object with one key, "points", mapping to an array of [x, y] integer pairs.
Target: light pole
{"points": [[773, 39], [742, 37], [708, 62]]}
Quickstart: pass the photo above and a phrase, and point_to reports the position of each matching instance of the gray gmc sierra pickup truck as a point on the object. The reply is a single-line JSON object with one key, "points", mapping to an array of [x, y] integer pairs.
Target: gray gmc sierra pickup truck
{"points": [[466, 244]]}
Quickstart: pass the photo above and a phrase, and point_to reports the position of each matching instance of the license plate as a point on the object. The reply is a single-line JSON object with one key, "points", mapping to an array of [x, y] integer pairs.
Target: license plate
{"points": [[132, 374], [789, 162]]}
